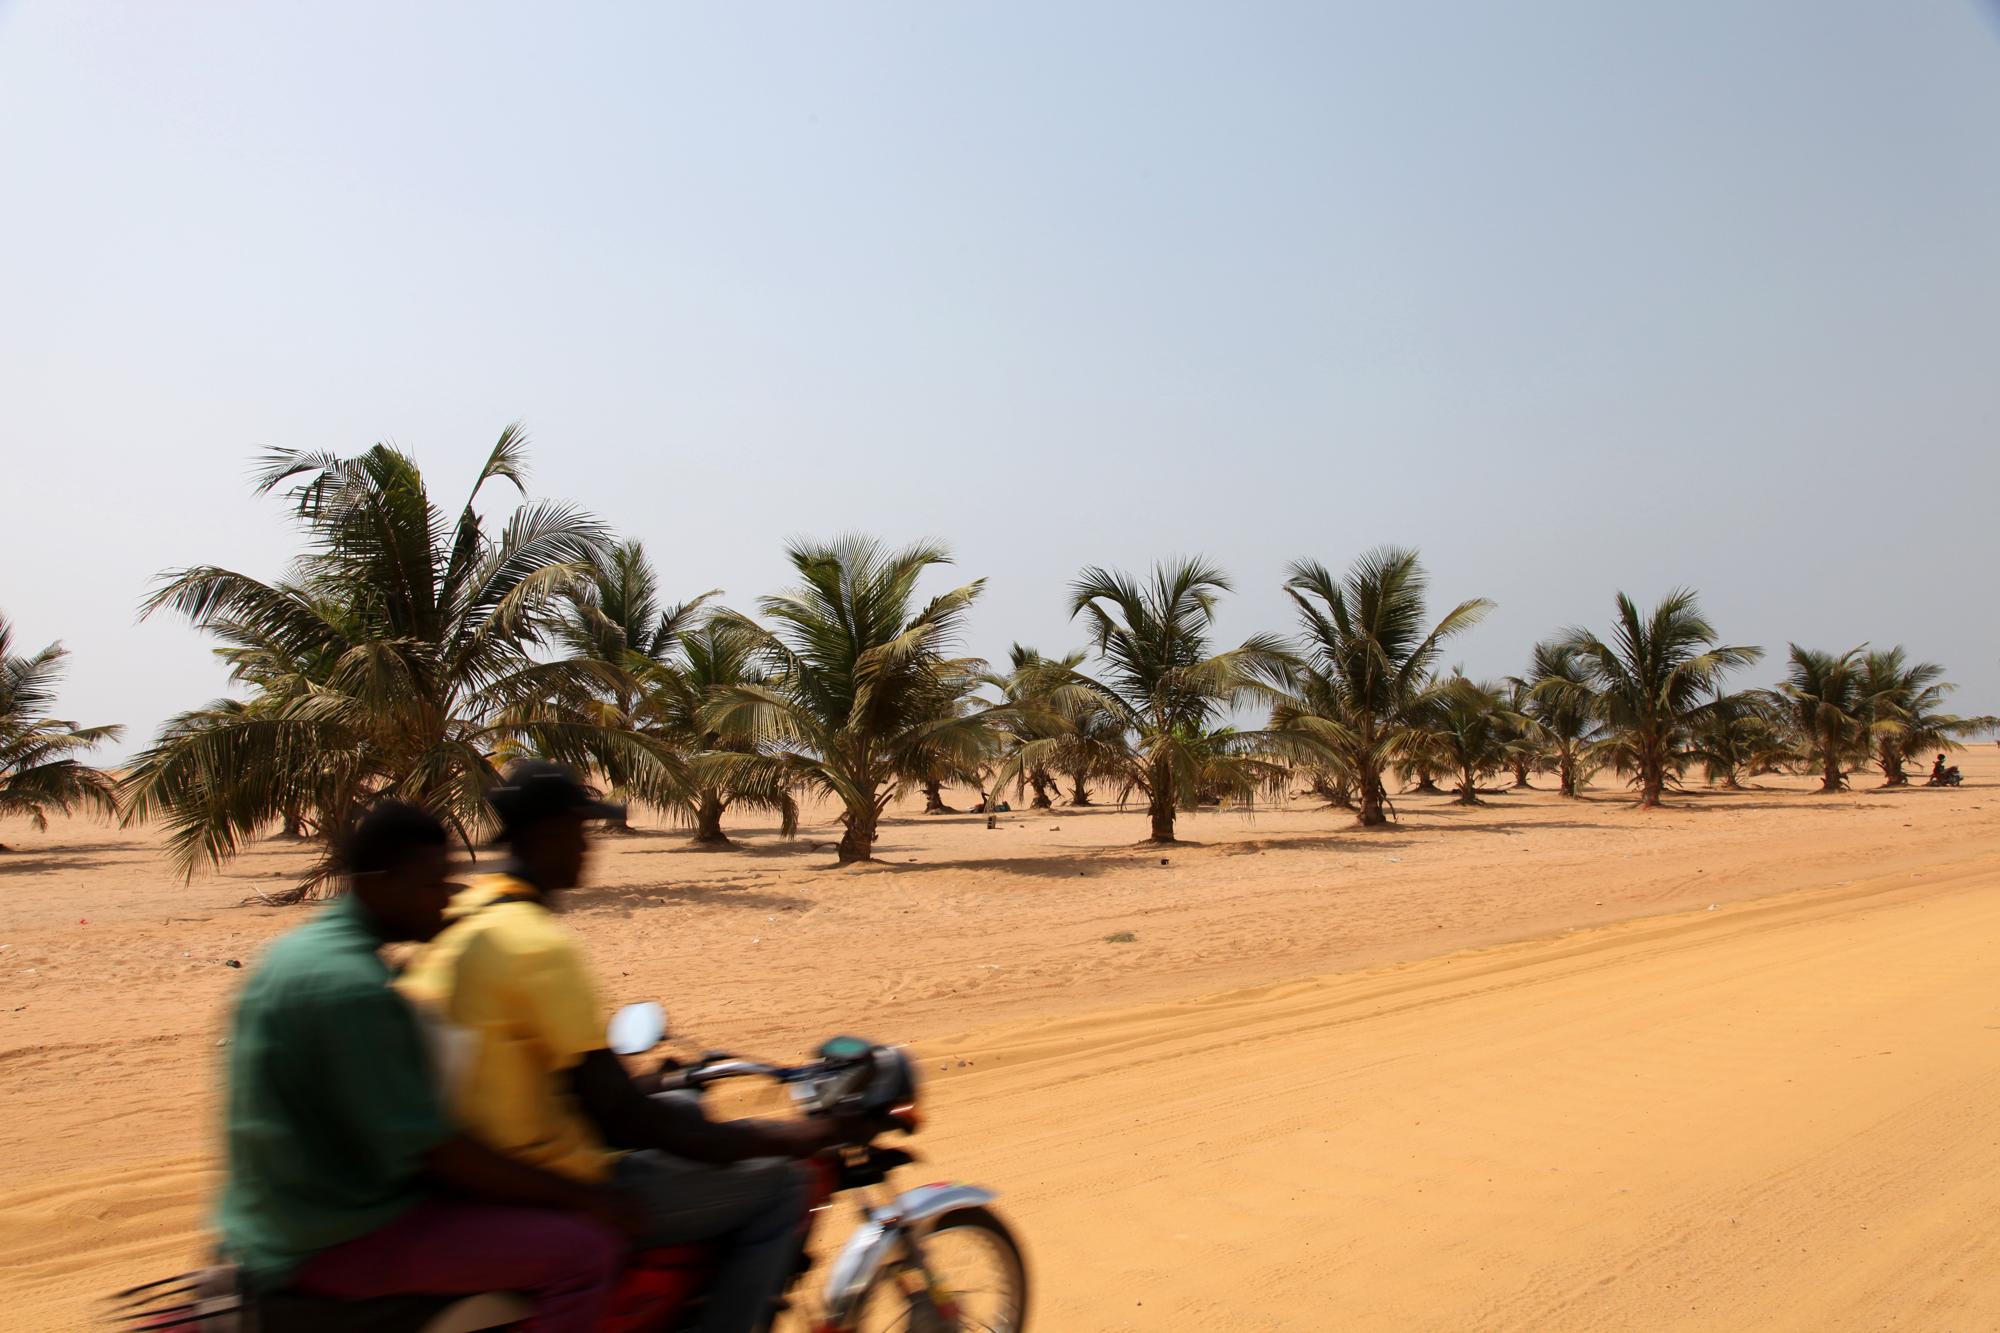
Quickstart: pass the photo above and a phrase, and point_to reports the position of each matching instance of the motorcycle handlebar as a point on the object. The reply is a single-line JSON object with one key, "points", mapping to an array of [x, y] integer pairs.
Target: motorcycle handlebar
{"points": [[737, 1067], [837, 1086], [732, 1068]]}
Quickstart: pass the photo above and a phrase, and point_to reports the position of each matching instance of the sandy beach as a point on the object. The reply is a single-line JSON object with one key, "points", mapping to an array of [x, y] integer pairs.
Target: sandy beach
{"points": [[1541, 1064]]}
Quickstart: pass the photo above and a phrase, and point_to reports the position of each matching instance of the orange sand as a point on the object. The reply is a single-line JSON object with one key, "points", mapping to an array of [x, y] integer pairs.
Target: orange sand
{"points": [[1537, 1065]]}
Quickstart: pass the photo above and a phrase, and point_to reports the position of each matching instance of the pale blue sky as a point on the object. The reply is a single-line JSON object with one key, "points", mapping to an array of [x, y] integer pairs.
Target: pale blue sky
{"points": [[1572, 296]]}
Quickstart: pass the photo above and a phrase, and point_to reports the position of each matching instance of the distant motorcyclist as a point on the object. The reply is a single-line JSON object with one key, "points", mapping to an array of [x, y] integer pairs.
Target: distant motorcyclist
{"points": [[346, 1179], [540, 1084], [1938, 772]]}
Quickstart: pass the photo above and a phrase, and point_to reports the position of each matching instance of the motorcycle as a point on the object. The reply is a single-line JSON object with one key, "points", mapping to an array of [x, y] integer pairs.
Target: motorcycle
{"points": [[1950, 777], [904, 1268]]}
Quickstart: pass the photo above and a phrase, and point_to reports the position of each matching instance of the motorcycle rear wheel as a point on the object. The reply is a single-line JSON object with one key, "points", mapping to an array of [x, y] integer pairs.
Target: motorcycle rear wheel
{"points": [[974, 1256]]}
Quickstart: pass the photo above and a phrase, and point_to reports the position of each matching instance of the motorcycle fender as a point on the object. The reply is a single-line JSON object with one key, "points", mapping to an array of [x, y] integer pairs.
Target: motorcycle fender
{"points": [[875, 1239]]}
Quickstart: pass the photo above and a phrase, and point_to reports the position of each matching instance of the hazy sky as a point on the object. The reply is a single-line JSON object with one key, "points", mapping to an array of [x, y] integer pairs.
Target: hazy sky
{"points": [[1573, 296]]}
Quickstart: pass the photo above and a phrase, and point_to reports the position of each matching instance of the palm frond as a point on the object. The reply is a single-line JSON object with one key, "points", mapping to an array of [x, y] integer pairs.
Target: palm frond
{"points": [[41, 765]]}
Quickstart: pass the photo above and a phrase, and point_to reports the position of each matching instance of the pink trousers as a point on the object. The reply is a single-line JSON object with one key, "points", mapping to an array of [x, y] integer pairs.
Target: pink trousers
{"points": [[564, 1263]]}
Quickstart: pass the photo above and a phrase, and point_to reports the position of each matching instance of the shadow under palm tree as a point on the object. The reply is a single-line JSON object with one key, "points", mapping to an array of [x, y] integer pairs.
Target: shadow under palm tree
{"points": [[584, 902]]}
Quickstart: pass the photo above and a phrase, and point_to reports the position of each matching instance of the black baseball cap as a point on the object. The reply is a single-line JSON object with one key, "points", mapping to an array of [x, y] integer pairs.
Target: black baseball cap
{"points": [[536, 789]]}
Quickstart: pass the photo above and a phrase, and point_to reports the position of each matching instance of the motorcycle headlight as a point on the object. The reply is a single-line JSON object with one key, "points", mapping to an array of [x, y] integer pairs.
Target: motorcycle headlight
{"points": [[894, 1081]]}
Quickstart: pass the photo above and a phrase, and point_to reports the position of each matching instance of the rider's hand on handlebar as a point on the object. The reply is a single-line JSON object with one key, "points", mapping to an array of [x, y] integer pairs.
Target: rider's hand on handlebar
{"points": [[662, 1077]]}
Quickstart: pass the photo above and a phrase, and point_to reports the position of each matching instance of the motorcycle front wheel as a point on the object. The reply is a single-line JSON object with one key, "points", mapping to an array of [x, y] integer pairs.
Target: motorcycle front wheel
{"points": [[978, 1271]]}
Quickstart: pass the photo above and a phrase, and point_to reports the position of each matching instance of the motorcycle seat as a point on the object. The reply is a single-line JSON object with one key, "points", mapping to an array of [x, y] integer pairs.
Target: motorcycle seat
{"points": [[697, 1255]]}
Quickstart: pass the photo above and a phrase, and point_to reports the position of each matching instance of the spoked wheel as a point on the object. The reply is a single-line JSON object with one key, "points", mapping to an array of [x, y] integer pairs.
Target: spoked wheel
{"points": [[981, 1282]]}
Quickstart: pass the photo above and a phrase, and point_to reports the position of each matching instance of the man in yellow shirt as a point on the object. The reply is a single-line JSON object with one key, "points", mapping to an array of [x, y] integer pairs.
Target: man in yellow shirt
{"points": [[526, 1068]]}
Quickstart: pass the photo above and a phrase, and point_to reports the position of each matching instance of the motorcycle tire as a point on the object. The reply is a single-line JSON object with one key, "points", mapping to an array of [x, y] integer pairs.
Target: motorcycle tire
{"points": [[887, 1309]]}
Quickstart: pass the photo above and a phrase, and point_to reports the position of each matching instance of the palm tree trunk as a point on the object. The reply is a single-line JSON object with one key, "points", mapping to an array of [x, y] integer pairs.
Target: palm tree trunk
{"points": [[1566, 771], [708, 821], [1891, 761], [858, 842], [1831, 779], [1426, 783], [1520, 773], [1652, 779], [1079, 790], [1468, 792], [1039, 779], [1368, 772], [934, 800], [1372, 814], [1161, 803]]}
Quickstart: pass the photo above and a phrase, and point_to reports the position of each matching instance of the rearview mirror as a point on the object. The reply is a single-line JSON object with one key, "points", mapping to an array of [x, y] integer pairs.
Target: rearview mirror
{"points": [[636, 1029]]}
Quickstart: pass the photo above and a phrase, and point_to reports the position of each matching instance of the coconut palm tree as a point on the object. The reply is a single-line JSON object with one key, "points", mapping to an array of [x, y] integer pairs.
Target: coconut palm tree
{"points": [[959, 695], [1092, 743], [614, 616], [861, 691], [1526, 746], [1564, 708], [1028, 685], [1168, 690], [40, 768], [1367, 663], [1908, 718], [1312, 704], [665, 660], [1473, 731], [1654, 677], [728, 771], [1232, 766], [1421, 754], [404, 655], [1829, 715], [1740, 733]]}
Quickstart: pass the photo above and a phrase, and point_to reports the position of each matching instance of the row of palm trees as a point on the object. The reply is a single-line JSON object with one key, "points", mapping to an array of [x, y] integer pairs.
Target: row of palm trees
{"points": [[412, 652], [1359, 697]]}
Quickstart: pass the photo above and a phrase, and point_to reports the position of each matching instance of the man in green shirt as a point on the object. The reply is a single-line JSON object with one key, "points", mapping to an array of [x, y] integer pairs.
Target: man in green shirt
{"points": [[345, 1178]]}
